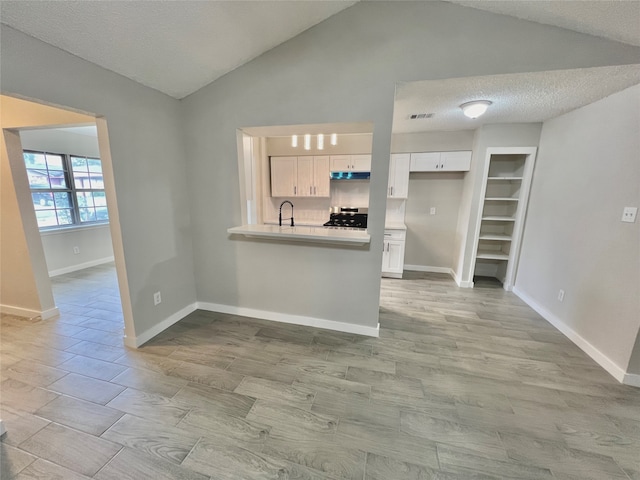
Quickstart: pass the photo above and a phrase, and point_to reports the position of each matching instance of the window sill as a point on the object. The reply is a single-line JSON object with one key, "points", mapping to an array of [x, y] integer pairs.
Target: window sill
{"points": [[72, 228]]}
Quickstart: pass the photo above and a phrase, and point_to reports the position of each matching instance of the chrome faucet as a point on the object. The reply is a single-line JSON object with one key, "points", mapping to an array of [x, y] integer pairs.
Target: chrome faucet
{"points": [[280, 214]]}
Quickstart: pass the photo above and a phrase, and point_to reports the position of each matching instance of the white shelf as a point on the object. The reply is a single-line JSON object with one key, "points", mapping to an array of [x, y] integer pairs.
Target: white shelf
{"points": [[497, 218], [502, 238], [491, 255], [501, 199]]}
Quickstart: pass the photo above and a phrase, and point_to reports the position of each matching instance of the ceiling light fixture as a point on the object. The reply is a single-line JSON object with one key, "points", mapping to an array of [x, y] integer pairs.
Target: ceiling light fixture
{"points": [[334, 139], [476, 108], [307, 141], [320, 141], [294, 141]]}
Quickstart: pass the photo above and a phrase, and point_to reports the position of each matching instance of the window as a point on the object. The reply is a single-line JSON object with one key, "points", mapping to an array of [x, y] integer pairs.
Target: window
{"points": [[66, 190]]}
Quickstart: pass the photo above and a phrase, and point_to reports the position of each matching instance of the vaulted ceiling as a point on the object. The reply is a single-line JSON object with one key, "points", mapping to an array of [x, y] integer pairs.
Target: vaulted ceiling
{"points": [[177, 47]]}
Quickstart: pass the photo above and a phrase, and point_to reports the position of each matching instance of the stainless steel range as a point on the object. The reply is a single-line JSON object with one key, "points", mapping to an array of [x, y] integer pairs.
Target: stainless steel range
{"points": [[347, 217]]}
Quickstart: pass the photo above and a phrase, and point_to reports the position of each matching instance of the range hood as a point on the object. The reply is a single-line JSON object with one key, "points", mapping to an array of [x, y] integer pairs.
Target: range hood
{"points": [[350, 175]]}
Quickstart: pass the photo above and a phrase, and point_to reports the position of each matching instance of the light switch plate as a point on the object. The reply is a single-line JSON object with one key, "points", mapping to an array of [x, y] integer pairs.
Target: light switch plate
{"points": [[629, 214], [432, 211]]}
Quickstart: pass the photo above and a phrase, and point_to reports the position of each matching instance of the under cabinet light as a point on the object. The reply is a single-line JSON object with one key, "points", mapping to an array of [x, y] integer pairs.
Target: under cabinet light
{"points": [[294, 140], [307, 141], [476, 108], [320, 141]]}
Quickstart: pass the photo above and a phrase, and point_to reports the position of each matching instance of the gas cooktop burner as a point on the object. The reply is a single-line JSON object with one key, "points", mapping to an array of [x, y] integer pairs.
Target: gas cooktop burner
{"points": [[347, 218]]}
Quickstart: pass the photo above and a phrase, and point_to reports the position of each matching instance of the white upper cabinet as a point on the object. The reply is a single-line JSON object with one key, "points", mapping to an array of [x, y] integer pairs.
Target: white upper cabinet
{"points": [[340, 163], [399, 175], [459, 161], [321, 177], [305, 177], [360, 163], [425, 162], [284, 176], [350, 163], [300, 176]]}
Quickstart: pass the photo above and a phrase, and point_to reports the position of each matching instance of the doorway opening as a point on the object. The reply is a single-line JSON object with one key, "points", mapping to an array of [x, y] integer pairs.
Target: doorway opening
{"points": [[61, 213]]}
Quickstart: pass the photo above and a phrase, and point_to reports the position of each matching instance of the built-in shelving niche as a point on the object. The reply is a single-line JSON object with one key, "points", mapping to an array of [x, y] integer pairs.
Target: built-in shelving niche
{"points": [[504, 198]]}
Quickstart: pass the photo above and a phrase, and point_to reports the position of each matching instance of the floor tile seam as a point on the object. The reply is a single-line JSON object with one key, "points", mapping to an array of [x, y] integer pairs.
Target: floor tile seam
{"points": [[108, 461]]}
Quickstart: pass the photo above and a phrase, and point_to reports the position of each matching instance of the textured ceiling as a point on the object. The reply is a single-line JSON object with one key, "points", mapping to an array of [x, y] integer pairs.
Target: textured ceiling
{"points": [[176, 47], [517, 98], [616, 20], [179, 46]]}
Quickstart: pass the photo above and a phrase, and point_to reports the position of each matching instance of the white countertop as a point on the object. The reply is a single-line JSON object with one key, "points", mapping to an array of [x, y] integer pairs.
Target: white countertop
{"points": [[304, 234], [395, 226]]}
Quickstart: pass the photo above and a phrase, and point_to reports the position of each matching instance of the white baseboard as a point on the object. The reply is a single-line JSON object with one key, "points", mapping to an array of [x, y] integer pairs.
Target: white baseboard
{"points": [[294, 319], [144, 337], [81, 266], [600, 358], [50, 313], [426, 268], [29, 313]]}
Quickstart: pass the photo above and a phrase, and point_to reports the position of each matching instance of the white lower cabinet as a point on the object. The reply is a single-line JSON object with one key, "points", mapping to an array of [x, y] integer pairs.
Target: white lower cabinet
{"points": [[393, 253]]}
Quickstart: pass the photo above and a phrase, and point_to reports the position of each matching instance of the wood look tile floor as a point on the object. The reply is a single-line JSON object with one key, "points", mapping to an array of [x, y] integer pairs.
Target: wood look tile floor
{"points": [[462, 384]]}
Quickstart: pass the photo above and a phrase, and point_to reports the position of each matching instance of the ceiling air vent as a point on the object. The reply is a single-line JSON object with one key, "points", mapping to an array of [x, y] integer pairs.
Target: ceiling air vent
{"points": [[420, 116]]}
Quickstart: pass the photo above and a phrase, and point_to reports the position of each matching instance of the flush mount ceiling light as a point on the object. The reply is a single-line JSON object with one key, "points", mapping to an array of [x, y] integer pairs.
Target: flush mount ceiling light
{"points": [[294, 140], [334, 139], [320, 141], [476, 108], [307, 141]]}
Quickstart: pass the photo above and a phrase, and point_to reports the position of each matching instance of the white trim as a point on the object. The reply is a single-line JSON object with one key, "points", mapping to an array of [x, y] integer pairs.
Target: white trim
{"points": [[632, 379], [74, 228], [50, 313], [294, 319], [601, 359], [144, 337], [81, 266], [2, 429], [460, 282], [19, 311], [426, 268], [29, 313]]}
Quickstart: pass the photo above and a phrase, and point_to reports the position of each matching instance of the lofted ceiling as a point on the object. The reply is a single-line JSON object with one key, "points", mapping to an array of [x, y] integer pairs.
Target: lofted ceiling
{"points": [[179, 46]]}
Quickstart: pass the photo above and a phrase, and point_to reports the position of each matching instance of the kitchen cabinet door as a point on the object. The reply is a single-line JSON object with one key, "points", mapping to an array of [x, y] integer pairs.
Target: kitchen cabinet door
{"points": [[455, 161], [395, 250], [360, 163], [305, 182], [425, 162], [393, 253], [340, 163], [284, 175], [399, 175], [321, 187]]}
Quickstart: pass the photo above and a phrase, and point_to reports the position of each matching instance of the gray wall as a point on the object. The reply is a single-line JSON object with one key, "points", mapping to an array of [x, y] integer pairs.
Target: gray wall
{"points": [[431, 238], [587, 170], [342, 70], [94, 242], [147, 149]]}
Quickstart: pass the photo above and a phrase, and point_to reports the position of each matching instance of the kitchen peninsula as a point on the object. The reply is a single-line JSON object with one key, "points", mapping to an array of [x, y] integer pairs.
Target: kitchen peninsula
{"points": [[308, 234]]}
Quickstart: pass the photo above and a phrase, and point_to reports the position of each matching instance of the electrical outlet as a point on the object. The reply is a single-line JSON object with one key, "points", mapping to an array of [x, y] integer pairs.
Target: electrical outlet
{"points": [[76, 250], [432, 211], [561, 295], [157, 298], [629, 214]]}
